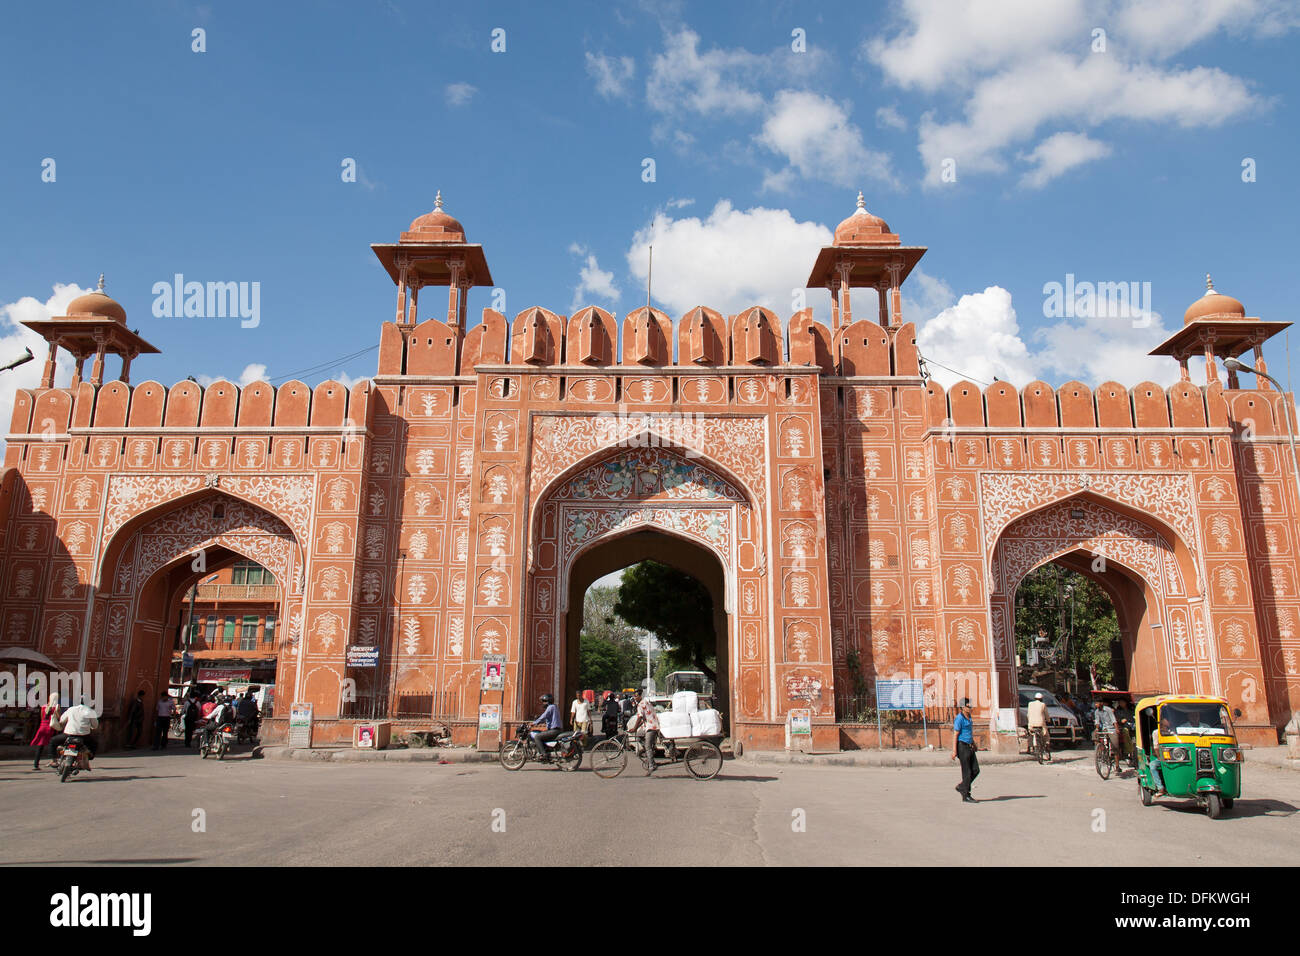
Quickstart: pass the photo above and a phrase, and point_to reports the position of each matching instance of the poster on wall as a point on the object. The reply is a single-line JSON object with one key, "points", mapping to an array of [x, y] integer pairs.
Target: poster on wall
{"points": [[494, 672], [300, 725], [800, 723], [489, 717]]}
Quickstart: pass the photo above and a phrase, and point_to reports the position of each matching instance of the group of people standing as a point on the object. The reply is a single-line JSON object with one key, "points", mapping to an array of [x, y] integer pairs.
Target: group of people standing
{"points": [[614, 709]]}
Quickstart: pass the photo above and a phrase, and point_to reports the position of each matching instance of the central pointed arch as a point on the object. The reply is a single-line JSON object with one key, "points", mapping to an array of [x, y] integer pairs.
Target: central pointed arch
{"points": [[672, 490]]}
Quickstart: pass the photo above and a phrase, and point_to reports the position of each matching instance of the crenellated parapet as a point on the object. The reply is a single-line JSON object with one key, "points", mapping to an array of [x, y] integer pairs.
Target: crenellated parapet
{"points": [[151, 427], [648, 338], [1147, 407]]}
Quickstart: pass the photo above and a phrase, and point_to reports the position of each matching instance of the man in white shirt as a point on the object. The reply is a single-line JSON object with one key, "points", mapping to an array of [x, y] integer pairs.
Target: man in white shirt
{"points": [[78, 721], [1038, 721], [579, 712]]}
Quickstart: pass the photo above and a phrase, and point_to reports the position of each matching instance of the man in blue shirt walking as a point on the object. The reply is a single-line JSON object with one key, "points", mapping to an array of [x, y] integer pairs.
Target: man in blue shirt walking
{"points": [[963, 749]]}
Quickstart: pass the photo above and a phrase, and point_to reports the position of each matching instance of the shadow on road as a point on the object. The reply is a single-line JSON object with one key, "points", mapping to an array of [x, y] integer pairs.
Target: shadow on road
{"points": [[1240, 808], [147, 861], [1010, 796], [117, 778]]}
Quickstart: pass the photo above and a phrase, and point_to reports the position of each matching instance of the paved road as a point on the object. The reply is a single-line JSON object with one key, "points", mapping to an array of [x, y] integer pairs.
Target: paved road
{"points": [[138, 808]]}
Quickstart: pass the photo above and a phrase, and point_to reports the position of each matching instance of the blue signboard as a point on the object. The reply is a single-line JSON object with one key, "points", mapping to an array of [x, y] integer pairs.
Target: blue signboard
{"points": [[899, 695], [363, 656]]}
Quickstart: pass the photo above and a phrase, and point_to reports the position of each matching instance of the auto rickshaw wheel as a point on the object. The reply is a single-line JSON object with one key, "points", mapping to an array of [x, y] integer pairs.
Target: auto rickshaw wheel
{"points": [[1147, 796], [1213, 806]]}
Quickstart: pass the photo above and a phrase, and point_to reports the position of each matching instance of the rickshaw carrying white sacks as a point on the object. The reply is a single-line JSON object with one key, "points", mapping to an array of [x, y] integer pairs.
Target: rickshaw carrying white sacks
{"points": [[687, 720], [686, 734]]}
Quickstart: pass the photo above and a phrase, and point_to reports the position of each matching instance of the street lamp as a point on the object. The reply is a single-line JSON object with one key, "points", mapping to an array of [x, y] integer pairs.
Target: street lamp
{"points": [[21, 360], [1233, 365]]}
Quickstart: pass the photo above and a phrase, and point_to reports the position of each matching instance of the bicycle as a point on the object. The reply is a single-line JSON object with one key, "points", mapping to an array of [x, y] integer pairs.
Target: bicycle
{"points": [[1040, 744], [1106, 759]]}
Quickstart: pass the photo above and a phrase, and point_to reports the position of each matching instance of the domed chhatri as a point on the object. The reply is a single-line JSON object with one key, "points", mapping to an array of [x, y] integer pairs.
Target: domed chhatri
{"points": [[435, 226], [862, 228], [1214, 305], [97, 303]]}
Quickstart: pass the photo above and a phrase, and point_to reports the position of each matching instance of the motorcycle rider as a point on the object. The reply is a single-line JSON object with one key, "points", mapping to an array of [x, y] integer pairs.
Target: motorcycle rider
{"points": [[246, 712], [220, 714], [547, 727], [78, 721]]}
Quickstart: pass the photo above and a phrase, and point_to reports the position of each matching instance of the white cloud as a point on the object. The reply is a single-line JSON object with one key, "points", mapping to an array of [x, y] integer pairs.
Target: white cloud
{"points": [[716, 81], [613, 75], [980, 337], [1166, 27], [1058, 154], [1010, 107], [348, 381], [15, 338], [815, 136], [1108, 344], [730, 260], [779, 180], [887, 117], [459, 94], [948, 41], [253, 372], [1020, 65], [977, 338], [592, 281], [924, 297]]}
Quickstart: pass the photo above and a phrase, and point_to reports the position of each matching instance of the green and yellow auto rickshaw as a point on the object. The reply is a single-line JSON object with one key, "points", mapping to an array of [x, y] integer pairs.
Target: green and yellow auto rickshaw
{"points": [[1186, 743]]}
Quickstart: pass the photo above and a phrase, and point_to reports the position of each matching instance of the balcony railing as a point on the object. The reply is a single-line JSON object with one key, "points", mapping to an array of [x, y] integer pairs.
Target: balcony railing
{"points": [[237, 592]]}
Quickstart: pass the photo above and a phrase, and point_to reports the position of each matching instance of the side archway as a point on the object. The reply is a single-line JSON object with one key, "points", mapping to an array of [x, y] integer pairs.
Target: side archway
{"points": [[169, 547], [1140, 565]]}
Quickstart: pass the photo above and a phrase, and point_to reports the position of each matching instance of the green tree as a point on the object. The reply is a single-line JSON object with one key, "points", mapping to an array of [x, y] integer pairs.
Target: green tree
{"points": [[1053, 600], [600, 664], [610, 655], [677, 609]]}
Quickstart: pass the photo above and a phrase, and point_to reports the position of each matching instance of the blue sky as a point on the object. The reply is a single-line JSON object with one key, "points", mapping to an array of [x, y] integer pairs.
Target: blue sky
{"points": [[1122, 164]]}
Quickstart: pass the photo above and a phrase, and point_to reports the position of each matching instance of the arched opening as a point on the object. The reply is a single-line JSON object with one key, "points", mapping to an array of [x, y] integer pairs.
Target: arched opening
{"points": [[624, 551], [164, 563], [227, 624], [1078, 619], [1142, 568], [622, 505]]}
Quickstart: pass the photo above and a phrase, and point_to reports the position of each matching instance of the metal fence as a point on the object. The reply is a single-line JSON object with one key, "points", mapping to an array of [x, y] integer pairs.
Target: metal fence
{"points": [[437, 705], [861, 709]]}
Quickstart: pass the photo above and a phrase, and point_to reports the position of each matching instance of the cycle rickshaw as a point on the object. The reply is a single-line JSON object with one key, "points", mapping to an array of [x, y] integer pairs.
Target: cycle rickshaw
{"points": [[702, 755]]}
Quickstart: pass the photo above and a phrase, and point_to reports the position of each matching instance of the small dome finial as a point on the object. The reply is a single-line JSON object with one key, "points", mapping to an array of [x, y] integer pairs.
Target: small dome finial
{"points": [[1209, 283], [100, 287], [437, 200], [862, 205]]}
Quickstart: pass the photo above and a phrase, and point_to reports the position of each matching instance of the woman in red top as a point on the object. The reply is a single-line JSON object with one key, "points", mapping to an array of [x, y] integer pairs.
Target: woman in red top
{"points": [[45, 732]]}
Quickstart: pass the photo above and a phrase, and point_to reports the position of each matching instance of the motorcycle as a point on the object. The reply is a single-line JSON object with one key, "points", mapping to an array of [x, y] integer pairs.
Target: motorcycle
{"points": [[565, 750], [73, 757], [217, 740], [246, 730]]}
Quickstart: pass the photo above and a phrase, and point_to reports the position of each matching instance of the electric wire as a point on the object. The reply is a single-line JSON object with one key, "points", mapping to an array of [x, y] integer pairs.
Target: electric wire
{"points": [[929, 361], [323, 365]]}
